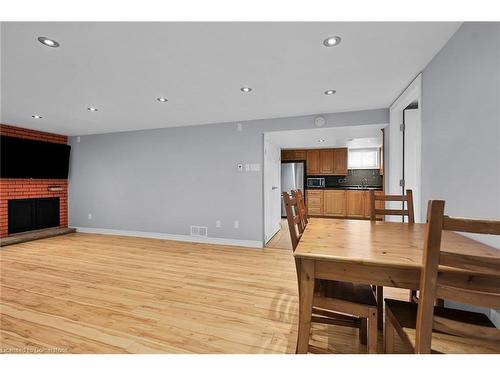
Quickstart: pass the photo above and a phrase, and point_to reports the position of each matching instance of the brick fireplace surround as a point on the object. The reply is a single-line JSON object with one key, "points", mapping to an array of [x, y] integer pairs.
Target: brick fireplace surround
{"points": [[18, 188]]}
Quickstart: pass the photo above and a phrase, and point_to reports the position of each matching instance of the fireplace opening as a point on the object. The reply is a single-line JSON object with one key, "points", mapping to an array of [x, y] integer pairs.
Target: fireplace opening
{"points": [[30, 214]]}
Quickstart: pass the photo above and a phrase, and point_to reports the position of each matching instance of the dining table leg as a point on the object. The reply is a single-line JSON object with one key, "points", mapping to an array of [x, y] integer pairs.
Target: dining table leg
{"points": [[306, 293]]}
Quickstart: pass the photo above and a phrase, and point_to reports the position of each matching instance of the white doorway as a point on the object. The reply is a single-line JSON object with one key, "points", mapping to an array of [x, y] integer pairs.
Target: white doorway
{"points": [[272, 189], [403, 170], [354, 136]]}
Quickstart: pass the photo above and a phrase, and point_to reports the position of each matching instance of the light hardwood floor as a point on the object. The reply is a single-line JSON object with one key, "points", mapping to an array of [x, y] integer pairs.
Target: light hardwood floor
{"points": [[87, 293], [281, 240]]}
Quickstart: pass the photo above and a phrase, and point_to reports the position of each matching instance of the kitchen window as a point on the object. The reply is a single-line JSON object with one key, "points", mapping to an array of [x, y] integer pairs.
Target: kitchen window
{"points": [[363, 158]]}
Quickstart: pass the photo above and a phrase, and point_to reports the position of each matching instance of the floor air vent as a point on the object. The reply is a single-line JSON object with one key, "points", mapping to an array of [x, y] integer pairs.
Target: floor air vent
{"points": [[199, 231]]}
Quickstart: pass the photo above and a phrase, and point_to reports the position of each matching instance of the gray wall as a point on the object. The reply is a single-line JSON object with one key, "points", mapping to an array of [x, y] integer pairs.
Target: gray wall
{"points": [[461, 124], [168, 179]]}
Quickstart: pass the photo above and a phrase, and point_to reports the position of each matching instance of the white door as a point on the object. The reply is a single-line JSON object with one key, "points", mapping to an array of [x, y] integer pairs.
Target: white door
{"points": [[411, 158], [272, 189]]}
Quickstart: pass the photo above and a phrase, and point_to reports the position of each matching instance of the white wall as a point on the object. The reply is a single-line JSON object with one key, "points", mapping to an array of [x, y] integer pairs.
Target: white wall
{"points": [[164, 180], [461, 124]]}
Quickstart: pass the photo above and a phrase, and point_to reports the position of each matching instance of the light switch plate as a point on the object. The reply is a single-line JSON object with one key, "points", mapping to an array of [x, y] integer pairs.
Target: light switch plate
{"points": [[255, 167]]}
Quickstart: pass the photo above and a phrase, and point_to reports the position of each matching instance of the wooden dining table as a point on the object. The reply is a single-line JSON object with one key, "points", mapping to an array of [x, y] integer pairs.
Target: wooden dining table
{"points": [[369, 252]]}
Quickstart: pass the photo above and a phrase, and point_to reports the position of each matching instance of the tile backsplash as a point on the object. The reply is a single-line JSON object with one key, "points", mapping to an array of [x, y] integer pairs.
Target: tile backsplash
{"points": [[370, 177]]}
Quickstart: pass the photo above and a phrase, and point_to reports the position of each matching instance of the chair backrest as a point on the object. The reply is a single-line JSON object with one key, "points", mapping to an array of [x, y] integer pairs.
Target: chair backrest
{"points": [[299, 197], [293, 218], [408, 198], [481, 287]]}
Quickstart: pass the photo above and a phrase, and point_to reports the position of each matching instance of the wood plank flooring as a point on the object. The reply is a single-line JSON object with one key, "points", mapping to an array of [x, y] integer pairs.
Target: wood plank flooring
{"points": [[89, 293], [281, 240]]}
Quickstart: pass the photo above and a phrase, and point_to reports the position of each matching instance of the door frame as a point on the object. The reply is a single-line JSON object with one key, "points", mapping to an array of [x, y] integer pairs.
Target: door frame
{"points": [[266, 207], [395, 168]]}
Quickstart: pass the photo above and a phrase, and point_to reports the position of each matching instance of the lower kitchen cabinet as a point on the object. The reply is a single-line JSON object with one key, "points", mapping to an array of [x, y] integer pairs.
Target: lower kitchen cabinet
{"points": [[355, 203], [314, 202], [334, 203], [340, 203]]}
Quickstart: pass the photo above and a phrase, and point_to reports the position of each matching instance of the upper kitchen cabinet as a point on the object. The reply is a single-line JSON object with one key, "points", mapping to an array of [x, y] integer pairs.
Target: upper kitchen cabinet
{"points": [[340, 161], [321, 162], [313, 162], [326, 162], [293, 155]]}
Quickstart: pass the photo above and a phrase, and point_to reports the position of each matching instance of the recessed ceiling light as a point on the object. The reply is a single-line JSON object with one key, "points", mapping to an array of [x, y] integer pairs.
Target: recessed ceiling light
{"points": [[48, 42], [162, 100], [321, 140], [92, 109], [332, 41], [37, 116], [246, 89], [330, 92]]}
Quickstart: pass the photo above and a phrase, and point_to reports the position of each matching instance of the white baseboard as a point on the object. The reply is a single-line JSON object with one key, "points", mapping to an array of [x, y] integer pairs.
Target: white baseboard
{"points": [[172, 237]]}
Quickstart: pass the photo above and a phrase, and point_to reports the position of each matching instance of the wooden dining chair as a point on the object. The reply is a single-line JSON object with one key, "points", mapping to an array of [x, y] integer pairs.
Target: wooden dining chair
{"points": [[429, 328], [293, 216], [297, 194], [379, 214], [336, 302]]}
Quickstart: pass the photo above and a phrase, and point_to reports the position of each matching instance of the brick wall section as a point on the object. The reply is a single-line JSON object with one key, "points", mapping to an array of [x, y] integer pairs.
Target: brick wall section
{"points": [[13, 131], [23, 188]]}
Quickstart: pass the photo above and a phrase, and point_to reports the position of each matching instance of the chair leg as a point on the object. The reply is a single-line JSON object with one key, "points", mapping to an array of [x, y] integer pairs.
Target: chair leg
{"points": [[388, 335], [372, 332], [363, 332], [380, 307]]}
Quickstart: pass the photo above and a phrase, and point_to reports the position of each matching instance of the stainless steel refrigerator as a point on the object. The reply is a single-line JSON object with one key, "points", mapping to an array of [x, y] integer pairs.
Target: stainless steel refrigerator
{"points": [[292, 178]]}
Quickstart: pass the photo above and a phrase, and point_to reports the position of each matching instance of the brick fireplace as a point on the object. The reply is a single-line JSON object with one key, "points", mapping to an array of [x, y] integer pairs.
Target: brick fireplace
{"points": [[24, 188]]}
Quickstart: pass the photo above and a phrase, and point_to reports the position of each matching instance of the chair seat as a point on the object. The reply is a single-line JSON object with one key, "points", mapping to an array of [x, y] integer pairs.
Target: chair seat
{"points": [[405, 314], [361, 294]]}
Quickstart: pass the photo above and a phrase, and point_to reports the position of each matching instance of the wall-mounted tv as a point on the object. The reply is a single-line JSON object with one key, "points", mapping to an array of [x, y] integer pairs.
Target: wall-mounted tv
{"points": [[25, 158]]}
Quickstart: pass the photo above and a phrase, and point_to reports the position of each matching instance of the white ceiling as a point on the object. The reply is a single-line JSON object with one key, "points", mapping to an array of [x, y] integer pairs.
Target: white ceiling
{"points": [[360, 136], [121, 68]]}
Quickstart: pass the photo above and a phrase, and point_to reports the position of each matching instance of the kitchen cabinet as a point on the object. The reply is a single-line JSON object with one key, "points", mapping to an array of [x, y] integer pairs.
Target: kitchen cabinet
{"points": [[355, 203], [300, 154], [326, 162], [320, 162], [293, 155], [334, 203], [313, 162], [314, 202], [340, 161], [341, 203]]}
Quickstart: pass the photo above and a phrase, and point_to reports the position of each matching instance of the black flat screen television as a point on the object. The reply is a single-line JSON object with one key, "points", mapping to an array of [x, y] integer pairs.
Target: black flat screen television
{"points": [[25, 158]]}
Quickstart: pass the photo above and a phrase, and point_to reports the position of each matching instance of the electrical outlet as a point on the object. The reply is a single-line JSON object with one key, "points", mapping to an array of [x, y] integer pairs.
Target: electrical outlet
{"points": [[78, 139], [236, 224], [239, 126], [89, 216], [218, 224]]}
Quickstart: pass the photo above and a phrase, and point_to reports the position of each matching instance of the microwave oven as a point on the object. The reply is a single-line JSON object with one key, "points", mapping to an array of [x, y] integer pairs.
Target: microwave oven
{"points": [[315, 182]]}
